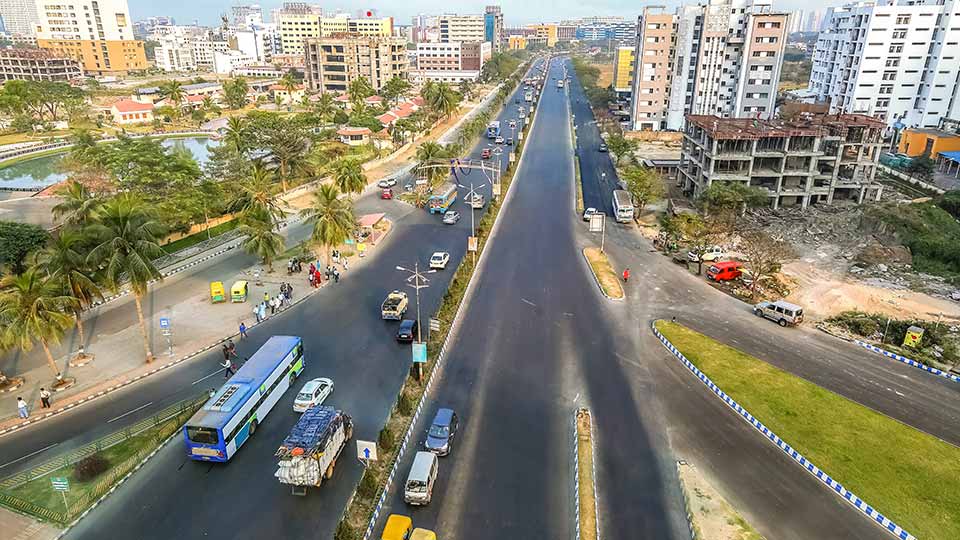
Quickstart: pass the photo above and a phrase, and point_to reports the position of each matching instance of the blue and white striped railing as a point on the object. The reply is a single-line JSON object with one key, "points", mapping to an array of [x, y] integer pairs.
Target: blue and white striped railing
{"points": [[909, 361], [847, 495]]}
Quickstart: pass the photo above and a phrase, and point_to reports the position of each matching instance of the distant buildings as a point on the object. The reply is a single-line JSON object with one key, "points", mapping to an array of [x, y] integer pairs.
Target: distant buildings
{"points": [[898, 60], [298, 21], [623, 62], [493, 27], [816, 159], [461, 28], [450, 62], [19, 16], [98, 33], [37, 65], [332, 63], [722, 58], [189, 48]]}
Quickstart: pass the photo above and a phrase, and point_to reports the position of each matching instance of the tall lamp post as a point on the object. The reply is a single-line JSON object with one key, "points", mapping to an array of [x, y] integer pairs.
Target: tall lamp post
{"points": [[470, 196], [418, 281]]}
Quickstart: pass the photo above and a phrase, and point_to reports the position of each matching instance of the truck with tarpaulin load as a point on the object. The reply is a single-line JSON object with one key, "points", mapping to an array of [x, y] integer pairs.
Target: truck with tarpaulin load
{"points": [[309, 453], [442, 199]]}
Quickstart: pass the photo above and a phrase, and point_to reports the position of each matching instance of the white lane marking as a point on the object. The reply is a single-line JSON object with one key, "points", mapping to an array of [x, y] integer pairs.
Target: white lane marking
{"points": [[29, 455], [207, 377], [529, 302], [144, 406]]}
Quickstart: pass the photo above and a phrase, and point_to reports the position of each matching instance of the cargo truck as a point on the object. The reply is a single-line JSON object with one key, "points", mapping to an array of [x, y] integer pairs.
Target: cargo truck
{"points": [[309, 453]]}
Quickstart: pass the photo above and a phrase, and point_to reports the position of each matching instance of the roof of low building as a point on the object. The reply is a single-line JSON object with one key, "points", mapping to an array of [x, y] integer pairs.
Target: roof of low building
{"points": [[128, 105], [807, 124], [353, 131]]}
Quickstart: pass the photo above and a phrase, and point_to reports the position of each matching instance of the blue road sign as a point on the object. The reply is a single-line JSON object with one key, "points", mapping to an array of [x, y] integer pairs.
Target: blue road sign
{"points": [[366, 453], [419, 353], [164, 322]]}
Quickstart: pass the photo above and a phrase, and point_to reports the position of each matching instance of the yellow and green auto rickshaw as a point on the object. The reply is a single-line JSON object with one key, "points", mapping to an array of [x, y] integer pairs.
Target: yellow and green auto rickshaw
{"points": [[216, 292], [238, 292]]}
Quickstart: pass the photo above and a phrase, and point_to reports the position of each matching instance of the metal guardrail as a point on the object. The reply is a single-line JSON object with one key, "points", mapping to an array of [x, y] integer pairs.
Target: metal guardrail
{"points": [[181, 408]]}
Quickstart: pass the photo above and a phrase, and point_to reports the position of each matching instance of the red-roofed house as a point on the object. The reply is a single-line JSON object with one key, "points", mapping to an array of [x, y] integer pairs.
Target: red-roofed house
{"points": [[279, 91], [354, 136], [373, 100], [127, 112], [388, 118]]}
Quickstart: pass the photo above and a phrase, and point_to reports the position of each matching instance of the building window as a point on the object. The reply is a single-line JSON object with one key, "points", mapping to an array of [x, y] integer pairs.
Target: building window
{"points": [[903, 19], [893, 62], [889, 75], [896, 49], [899, 34], [886, 88]]}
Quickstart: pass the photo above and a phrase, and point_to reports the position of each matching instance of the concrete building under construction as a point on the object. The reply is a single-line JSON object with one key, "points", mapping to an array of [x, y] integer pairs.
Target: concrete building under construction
{"points": [[812, 159]]}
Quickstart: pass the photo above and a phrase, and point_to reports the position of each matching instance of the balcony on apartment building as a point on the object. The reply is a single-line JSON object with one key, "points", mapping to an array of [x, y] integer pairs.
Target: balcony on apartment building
{"points": [[802, 145], [770, 146], [796, 165], [731, 170], [767, 167], [734, 148]]}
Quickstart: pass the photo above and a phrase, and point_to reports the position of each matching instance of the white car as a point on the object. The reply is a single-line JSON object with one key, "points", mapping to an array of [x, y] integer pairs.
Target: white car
{"points": [[498, 140], [588, 213], [387, 183], [439, 260], [313, 393]]}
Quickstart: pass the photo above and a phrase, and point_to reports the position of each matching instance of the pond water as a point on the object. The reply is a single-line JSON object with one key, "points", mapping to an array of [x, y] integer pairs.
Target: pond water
{"points": [[43, 171]]}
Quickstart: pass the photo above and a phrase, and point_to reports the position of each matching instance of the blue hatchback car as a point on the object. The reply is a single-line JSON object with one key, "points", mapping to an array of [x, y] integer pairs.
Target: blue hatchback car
{"points": [[441, 432]]}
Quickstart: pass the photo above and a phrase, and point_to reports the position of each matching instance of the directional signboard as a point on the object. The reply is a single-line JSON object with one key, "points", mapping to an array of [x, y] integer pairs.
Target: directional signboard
{"points": [[164, 322], [60, 483], [596, 222], [366, 450], [419, 353], [434, 325]]}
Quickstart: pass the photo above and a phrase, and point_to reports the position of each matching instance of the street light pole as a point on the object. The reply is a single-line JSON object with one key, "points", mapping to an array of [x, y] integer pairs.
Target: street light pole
{"points": [[473, 231], [417, 278]]}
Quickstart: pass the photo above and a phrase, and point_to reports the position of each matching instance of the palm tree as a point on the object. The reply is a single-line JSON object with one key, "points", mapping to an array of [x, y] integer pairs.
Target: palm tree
{"points": [[175, 92], [34, 308], [289, 83], [445, 99], [318, 162], [236, 133], [256, 195], [262, 240], [64, 261], [84, 145], [127, 232], [348, 176], [325, 106], [360, 89], [332, 216], [78, 205], [429, 91], [432, 153]]}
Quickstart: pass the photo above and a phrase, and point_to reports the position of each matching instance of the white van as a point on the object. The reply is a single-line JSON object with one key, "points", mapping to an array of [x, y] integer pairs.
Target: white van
{"points": [[423, 475]]}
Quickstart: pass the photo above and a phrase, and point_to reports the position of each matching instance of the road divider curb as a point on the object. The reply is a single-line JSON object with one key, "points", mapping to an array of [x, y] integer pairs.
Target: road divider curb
{"points": [[797, 457], [583, 439], [686, 503], [442, 354], [909, 361]]}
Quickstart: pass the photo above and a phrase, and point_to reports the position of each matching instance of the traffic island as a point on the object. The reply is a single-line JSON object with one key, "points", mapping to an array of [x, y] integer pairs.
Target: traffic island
{"points": [[587, 523], [603, 273], [908, 477], [709, 514]]}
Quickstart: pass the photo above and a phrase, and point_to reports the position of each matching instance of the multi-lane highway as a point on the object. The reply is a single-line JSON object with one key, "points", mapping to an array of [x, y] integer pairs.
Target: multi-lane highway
{"points": [[173, 497]]}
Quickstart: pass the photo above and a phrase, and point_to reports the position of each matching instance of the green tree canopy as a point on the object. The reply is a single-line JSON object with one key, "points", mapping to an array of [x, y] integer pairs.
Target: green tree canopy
{"points": [[42, 100], [17, 241]]}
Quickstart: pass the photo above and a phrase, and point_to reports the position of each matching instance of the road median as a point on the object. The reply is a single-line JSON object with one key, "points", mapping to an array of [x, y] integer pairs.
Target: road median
{"points": [[867, 454], [588, 524], [603, 273]]}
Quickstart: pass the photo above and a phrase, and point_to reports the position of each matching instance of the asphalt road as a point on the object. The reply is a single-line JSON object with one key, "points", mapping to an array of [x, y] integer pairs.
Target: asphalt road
{"points": [[344, 339], [535, 344], [594, 165]]}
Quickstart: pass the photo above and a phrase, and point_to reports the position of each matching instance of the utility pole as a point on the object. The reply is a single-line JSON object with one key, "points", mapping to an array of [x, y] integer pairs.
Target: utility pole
{"points": [[473, 231], [419, 281]]}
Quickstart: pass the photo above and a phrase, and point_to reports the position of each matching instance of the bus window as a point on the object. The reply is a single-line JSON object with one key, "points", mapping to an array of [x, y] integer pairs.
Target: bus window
{"points": [[203, 435]]}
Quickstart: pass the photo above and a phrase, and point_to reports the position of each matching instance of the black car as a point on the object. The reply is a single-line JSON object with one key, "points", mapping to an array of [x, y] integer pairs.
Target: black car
{"points": [[407, 331], [510, 141], [602, 147]]}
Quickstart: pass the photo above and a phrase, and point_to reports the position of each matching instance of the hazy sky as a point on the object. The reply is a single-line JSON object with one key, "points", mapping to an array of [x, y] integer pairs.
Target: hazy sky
{"points": [[516, 12]]}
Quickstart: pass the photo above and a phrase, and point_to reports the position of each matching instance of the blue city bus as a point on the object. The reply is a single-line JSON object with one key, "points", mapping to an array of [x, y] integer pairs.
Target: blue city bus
{"points": [[493, 129], [231, 415]]}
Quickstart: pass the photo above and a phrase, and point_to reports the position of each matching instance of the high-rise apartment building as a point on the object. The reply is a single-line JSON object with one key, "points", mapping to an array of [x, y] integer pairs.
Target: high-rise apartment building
{"points": [[246, 15], [189, 48], [297, 22], [332, 63], [545, 31], [19, 16], [461, 28], [623, 70], [96, 32], [493, 27], [722, 58], [894, 59], [451, 62]]}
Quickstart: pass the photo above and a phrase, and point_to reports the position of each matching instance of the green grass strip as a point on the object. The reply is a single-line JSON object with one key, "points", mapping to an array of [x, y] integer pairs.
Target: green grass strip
{"points": [[911, 477], [196, 238]]}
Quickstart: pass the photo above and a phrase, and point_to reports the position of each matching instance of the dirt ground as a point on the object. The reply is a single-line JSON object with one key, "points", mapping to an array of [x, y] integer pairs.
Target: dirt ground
{"points": [[712, 515], [606, 74]]}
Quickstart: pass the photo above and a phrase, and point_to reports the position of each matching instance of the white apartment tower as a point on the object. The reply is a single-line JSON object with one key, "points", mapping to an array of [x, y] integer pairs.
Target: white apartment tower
{"points": [[461, 28], [722, 58], [19, 16], [99, 33], [895, 59]]}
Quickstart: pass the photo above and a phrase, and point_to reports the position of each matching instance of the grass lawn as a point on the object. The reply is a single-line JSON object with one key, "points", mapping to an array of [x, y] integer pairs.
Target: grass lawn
{"points": [[194, 239], [601, 268], [122, 458], [909, 476], [588, 503], [579, 184]]}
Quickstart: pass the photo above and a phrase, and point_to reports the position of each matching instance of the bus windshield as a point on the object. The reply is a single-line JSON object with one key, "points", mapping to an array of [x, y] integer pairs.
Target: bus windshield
{"points": [[202, 435]]}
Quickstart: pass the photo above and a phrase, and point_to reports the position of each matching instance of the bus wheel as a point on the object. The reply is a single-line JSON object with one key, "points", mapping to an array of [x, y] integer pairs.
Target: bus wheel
{"points": [[329, 473], [293, 377], [253, 428]]}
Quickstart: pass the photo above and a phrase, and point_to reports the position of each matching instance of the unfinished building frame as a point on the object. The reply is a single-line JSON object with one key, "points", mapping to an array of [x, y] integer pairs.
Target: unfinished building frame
{"points": [[813, 159]]}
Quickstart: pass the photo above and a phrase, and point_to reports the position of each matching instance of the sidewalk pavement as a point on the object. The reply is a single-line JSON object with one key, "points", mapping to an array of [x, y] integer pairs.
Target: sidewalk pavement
{"points": [[20, 527]]}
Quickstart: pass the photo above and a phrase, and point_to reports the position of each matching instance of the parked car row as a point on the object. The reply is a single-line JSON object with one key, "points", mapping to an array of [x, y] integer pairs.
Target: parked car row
{"points": [[422, 478]]}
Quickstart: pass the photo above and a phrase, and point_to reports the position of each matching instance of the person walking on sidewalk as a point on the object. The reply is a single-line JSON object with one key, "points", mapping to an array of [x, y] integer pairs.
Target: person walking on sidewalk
{"points": [[226, 352], [232, 348], [266, 297], [44, 398], [227, 368], [243, 330], [626, 275], [22, 408], [256, 313]]}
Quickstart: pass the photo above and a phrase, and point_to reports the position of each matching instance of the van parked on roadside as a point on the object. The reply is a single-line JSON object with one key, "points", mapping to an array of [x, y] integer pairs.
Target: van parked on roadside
{"points": [[783, 313], [724, 271], [423, 475]]}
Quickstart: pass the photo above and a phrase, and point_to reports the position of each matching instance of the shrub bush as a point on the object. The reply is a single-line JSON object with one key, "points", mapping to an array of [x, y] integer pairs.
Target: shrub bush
{"points": [[90, 467], [368, 485], [345, 532], [404, 404], [385, 440]]}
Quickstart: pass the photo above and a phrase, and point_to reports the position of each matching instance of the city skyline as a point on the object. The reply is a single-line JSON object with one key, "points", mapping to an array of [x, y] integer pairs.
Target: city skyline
{"points": [[207, 12]]}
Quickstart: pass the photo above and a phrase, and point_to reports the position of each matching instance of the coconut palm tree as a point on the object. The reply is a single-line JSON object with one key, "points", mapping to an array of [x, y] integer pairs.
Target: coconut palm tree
{"points": [[325, 106], [445, 99], [64, 261], [174, 91], [429, 91], [126, 231], [78, 204], [261, 238], [34, 308], [360, 89], [431, 153], [256, 195], [348, 176], [332, 217], [237, 133]]}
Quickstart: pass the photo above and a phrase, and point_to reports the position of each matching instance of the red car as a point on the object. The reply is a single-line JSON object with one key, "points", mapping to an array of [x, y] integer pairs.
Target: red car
{"points": [[485, 154], [386, 194]]}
